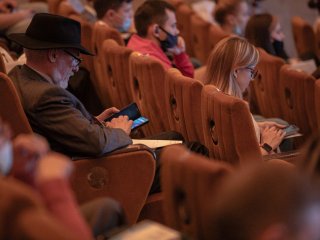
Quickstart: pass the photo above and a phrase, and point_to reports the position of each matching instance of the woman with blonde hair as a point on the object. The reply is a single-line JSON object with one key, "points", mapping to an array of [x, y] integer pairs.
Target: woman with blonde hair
{"points": [[231, 67]]}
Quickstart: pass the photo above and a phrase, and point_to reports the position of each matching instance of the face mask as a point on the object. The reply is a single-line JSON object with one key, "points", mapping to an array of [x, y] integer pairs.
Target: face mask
{"points": [[170, 42], [277, 45], [125, 26], [6, 158], [237, 30]]}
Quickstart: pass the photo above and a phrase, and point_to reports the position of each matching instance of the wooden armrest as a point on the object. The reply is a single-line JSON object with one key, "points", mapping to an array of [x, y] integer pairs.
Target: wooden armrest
{"points": [[290, 156], [127, 149], [125, 175]]}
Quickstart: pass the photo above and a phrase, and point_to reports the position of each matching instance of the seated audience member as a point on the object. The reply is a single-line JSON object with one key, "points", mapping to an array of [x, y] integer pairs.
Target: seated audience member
{"points": [[116, 14], [28, 159], [269, 202], [264, 31], [232, 15], [158, 36], [52, 47], [231, 67]]}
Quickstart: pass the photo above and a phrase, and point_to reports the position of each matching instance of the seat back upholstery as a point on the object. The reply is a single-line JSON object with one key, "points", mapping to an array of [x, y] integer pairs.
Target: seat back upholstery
{"points": [[304, 37], [53, 6], [86, 41], [117, 77], [188, 182], [317, 33], [266, 85], [147, 82], [317, 102], [183, 14], [297, 99], [2, 64], [11, 110], [101, 32], [199, 32], [215, 35], [65, 9], [183, 105], [228, 128]]}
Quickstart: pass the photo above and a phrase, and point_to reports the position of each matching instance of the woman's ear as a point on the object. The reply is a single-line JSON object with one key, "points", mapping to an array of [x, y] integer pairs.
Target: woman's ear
{"points": [[235, 73]]}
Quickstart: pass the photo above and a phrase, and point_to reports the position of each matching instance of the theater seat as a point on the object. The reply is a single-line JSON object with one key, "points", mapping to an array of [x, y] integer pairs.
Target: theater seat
{"points": [[229, 131], [297, 100], [126, 174], [183, 105], [190, 183]]}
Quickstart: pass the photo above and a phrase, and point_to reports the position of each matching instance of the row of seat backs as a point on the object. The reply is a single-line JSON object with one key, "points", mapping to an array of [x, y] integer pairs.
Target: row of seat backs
{"points": [[285, 93], [93, 177], [200, 36], [304, 37]]}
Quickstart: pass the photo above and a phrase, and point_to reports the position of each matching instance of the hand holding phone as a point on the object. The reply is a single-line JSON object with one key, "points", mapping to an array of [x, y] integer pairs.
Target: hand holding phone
{"points": [[133, 113]]}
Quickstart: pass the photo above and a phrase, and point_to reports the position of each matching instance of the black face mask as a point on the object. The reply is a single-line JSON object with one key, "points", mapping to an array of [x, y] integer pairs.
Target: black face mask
{"points": [[278, 47], [170, 42]]}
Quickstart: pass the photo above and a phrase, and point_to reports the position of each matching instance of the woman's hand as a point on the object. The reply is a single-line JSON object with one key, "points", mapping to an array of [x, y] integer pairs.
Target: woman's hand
{"points": [[272, 136], [268, 124]]}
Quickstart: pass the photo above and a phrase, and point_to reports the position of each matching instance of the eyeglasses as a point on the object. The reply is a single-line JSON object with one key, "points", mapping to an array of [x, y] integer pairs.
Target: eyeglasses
{"points": [[253, 72], [76, 59]]}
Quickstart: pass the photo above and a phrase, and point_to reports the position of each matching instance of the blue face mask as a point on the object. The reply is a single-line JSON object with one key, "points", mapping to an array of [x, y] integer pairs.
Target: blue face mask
{"points": [[126, 25], [170, 42]]}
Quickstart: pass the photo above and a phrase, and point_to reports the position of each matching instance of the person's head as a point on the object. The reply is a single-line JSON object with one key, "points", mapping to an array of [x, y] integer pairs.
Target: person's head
{"points": [[157, 20], [116, 13], [231, 65], [53, 45], [263, 30], [265, 202], [232, 15]]}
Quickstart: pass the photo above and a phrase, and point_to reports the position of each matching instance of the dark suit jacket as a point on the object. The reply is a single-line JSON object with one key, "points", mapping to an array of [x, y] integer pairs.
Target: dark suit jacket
{"points": [[60, 117]]}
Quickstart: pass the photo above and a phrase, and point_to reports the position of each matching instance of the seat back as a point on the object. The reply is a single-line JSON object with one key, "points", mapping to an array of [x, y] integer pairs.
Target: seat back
{"points": [[101, 32], [266, 85], [304, 37], [199, 38], [317, 102], [53, 6], [117, 80], [11, 110], [215, 35], [86, 41], [297, 99], [183, 14], [228, 128], [188, 182], [183, 105], [65, 9], [147, 82], [2, 64]]}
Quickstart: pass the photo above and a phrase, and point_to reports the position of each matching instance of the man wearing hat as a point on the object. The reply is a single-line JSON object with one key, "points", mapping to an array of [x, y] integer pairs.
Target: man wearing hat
{"points": [[52, 47]]}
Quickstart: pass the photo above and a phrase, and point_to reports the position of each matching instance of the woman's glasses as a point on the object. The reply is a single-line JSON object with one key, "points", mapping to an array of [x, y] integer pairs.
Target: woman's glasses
{"points": [[253, 72]]}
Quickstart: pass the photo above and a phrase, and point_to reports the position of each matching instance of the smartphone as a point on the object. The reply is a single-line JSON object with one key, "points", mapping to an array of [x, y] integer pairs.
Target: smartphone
{"points": [[291, 129], [139, 122], [132, 111]]}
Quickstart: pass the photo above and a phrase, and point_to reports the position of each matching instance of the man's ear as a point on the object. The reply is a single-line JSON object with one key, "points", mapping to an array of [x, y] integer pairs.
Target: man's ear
{"points": [[52, 55], [154, 28], [110, 14]]}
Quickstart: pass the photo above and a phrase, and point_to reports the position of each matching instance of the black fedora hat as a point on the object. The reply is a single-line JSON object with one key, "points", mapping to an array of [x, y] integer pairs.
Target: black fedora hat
{"points": [[48, 31]]}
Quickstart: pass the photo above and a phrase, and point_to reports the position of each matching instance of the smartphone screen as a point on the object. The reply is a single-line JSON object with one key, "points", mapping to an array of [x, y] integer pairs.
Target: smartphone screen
{"points": [[139, 122], [132, 111]]}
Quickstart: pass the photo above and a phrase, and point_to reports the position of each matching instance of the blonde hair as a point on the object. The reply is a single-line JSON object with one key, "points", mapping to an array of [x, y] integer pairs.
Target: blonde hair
{"points": [[228, 55]]}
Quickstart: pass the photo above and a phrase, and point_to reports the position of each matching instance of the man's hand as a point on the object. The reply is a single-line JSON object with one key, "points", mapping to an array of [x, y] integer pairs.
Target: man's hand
{"points": [[107, 113], [121, 122], [179, 48]]}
